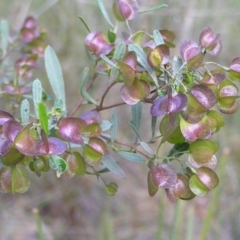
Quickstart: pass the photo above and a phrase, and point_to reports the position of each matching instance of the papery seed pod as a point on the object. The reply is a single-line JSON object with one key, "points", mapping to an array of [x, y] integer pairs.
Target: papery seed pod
{"points": [[95, 42], [91, 117], [98, 144], [163, 175], [158, 56], [20, 180], [13, 157], [210, 42], [152, 187], [125, 9], [202, 154], [208, 177], [5, 116], [70, 129], [180, 190], [111, 189], [6, 179], [76, 165], [204, 180], [136, 92], [93, 130], [234, 72], [194, 131]]}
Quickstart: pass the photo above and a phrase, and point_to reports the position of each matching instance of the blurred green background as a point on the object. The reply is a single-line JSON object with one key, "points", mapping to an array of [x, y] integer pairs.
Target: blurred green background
{"points": [[78, 208]]}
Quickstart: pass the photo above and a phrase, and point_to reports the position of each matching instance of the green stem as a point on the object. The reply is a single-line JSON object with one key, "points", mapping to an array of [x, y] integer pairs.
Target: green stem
{"points": [[190, 224], [160, 221], [38, 224], [177, 226], [224, 68]]}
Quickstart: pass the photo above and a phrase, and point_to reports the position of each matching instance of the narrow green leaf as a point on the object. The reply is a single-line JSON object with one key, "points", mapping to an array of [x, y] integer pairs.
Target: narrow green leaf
{"points": [[133, 157], [112, 165], [158, 39], [84, 23], [108, 61], [178, 149], [135, 130], [114, 127], [136, 116], [154, 8], [147, 148], [142, 59], [105, 125], [58, 164], [153, 126], [83, 79], [37, 95], [89, 56], [43, 116], [55, 76], [120, 51], [4, 27], [118, 54], [176, 67], [25, 111], [104, 12]]}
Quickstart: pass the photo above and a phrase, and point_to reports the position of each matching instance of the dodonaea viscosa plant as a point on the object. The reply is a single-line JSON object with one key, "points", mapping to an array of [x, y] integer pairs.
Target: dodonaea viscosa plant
{"points": [[185, 92]]}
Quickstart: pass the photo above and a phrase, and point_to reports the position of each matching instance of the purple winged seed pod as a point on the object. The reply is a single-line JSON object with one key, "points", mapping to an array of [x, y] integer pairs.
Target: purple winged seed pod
{"points": [[91, 117], [128, 8], [210, 42], [163, 175], [168, 104], [96, 43], [189, 49], [70, 129]]}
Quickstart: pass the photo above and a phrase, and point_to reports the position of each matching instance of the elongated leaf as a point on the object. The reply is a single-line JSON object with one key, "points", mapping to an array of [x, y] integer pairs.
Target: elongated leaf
{"points": [[153, 125], [118, 54], [176, 65], [58, 164], [105, 125], [136, 116], [108, 61], [37, 95], [104, 12], [147, 148], [83, 79], [154, 8], [135, 130], [133, 157], [4, 27], [89, 56], [55, 76], [114, 127], [158, 39], [84, 23], [112, 165], [25, 111], [142, 59], [43, 116]]}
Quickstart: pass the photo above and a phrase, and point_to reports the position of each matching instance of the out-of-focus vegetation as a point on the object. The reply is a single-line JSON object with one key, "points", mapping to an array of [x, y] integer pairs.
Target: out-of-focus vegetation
{"points": [[78, 208]]}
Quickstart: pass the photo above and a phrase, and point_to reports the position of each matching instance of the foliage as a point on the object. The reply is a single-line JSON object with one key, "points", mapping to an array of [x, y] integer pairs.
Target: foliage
{"points": [[185, 92]]}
